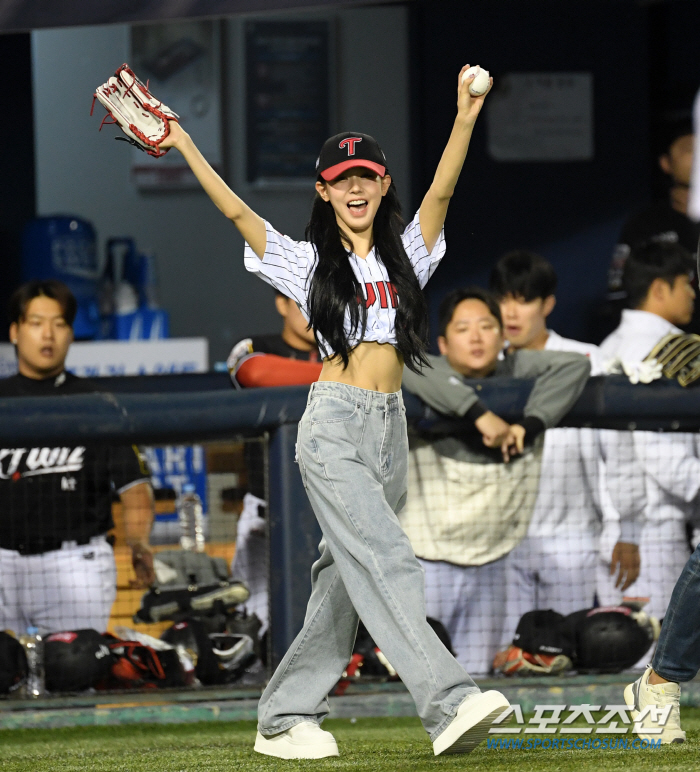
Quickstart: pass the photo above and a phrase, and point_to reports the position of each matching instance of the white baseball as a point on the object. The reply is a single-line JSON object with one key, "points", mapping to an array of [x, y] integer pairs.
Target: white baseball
{"points": [[480, 84]]}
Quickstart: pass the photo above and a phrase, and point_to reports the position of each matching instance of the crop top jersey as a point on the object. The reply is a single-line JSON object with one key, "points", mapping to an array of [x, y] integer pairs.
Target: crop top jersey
{"points": [[288, 266]]}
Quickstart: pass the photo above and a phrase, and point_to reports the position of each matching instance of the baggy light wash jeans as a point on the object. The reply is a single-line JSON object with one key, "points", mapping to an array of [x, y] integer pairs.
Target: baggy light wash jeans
{"points": [[677, 655], [352, 452]]}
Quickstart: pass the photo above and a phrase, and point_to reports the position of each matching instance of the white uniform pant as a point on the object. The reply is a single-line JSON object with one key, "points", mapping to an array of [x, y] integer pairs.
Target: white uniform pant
{"points": [[250, 563], [661, 565], [469, 601], [72, 588], [540, 578]]}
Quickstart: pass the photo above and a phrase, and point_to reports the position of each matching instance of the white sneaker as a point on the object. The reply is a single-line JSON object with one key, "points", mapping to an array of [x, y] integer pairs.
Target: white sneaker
{"points": [[641, 693], [305, 740], [471, 723]]}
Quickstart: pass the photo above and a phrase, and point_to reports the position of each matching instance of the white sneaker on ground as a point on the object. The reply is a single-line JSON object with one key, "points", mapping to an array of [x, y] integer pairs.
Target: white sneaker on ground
{"points": [[641, 693], [471, 723], [305, 740]]}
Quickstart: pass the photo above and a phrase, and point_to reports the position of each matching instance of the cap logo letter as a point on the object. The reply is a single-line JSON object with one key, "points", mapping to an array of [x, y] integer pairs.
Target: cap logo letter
{"points": [[349, 142]]}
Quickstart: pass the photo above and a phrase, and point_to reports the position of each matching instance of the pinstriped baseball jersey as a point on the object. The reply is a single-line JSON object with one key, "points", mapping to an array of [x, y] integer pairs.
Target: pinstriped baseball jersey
{"points": [[288, 266]]}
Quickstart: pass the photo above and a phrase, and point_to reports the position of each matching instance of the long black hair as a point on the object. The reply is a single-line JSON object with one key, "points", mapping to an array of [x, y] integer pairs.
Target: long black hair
{"points": [[336, 291]]}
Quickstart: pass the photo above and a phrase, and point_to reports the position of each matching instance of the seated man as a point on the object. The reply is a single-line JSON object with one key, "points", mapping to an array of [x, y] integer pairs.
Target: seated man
{"points": [[657, 282], [468, 503], [57, 571], [290, 358]]}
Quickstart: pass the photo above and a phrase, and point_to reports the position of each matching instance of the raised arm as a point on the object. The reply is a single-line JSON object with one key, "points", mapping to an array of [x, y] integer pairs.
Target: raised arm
{"points": [[433, 209], [250, 225]]}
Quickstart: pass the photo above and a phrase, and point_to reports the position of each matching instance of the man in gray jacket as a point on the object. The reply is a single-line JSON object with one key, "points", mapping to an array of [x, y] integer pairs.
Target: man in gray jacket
{"points": [[471, 494]]}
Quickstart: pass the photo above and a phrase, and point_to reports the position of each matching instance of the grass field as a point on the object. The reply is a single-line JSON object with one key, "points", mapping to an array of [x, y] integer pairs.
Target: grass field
{"points": [[368, 745]]}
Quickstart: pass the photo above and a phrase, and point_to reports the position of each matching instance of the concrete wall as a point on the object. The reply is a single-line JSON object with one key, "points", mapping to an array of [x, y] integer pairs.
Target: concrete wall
{"points": [[203, 283]]}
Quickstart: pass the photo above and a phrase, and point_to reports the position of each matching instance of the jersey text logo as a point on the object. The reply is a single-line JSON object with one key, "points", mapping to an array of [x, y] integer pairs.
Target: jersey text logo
{"points": [[36, 461], [68, 483], [350, 143], [385, 292]]}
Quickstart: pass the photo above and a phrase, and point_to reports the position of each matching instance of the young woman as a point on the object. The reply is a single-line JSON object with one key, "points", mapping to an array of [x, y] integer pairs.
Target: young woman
{"points": [[358, 280]]}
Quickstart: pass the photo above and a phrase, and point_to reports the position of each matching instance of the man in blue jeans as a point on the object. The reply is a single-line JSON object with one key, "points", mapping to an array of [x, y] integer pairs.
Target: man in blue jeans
{"points": [[677, 659]]}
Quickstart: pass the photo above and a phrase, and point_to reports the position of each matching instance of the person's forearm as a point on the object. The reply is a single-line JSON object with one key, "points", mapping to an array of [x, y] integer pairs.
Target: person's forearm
{"points": [[137, 526], [251, 225], [219, 192], [557, 387], [433, 209], [452, 160], [137, 509], [446, 395]]}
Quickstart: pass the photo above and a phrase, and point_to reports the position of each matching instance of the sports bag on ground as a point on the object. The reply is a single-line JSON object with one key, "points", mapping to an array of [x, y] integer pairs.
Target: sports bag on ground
{"points": [[197, 585]]}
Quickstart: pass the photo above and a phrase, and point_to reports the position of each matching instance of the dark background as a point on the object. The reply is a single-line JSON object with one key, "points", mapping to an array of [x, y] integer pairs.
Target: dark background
{"points": [[17, 202], [644, 61]]}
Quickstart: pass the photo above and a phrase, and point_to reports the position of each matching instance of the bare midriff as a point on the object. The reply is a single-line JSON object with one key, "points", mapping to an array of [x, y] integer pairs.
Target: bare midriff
{"points": [[373, 366]]}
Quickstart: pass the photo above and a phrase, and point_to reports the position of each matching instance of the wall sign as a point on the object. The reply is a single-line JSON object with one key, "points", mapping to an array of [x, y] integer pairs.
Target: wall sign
{"points": [[287, 99], [540, 116], [90, 359], [182, 62]]}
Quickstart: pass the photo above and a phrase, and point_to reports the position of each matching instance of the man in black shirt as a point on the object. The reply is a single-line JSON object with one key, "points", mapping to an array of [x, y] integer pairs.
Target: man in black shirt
{"points": [[665, 221], [57, 571]]}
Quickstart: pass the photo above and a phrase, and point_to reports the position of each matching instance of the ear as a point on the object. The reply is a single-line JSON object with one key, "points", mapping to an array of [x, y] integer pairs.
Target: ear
{"points": [[281, 305], [658, 289], [321, 190], [442, 345], [14, 328], [665, 163], [548, 305], [386, 184]]}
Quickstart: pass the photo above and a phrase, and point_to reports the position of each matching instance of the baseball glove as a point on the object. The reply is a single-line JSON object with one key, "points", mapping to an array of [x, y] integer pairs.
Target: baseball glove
{"points": [[679, 356], [135, 110]]}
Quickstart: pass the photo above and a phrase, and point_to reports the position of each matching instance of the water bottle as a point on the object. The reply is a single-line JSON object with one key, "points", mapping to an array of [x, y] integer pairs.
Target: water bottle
{"points": [[191, 518], [34, 649]]}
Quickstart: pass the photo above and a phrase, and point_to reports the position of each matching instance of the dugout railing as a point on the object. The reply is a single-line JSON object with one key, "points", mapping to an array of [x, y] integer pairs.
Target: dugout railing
{"points": [[203, 408]]}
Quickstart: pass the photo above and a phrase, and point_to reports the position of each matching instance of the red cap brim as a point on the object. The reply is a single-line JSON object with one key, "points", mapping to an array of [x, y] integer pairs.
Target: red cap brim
{"points": [[335, 171]]}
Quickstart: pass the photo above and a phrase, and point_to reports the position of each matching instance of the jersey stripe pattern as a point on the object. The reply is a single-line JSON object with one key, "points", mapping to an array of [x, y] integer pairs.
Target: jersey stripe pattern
{"points": [[288, 266]]}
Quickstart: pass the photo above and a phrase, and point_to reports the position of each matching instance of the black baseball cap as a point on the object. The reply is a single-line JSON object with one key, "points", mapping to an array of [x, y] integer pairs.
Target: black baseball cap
{"points": [[348, 149]]}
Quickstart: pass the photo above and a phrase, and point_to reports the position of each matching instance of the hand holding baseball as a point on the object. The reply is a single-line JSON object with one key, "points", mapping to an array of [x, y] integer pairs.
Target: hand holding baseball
{"points": [[481, 81], [473, 85]]}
